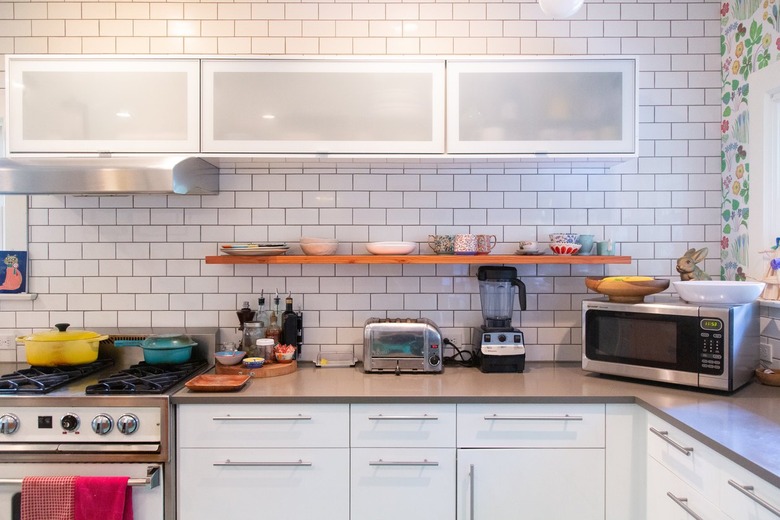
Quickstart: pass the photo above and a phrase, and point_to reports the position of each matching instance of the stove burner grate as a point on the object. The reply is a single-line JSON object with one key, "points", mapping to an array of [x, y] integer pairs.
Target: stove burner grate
{"points": [[42, 380], [145, 379]]}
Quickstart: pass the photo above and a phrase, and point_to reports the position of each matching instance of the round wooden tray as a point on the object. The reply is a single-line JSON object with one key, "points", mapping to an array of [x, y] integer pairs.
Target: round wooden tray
{"points": [[268, 370]]}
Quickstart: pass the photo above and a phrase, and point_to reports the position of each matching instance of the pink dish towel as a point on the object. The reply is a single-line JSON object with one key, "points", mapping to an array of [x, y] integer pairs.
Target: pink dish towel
{"points": [[47, 498], [103, 498]]}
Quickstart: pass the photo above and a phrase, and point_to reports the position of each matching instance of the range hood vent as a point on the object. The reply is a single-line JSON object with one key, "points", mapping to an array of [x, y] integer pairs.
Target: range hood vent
{"points": [[108, 176]]}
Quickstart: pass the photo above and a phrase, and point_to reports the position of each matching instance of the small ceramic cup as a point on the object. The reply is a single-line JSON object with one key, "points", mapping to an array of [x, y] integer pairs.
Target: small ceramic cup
{"points": [[465, 244], [586, 241], [485, 244], [442, 244], [529, 245], [605, 248]]}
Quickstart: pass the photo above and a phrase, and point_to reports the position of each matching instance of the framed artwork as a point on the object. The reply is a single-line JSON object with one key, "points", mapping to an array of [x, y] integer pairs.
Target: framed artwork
{"points": [[13, 272]]}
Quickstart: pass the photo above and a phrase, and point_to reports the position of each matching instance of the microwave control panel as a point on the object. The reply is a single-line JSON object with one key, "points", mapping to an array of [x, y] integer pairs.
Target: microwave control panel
{"points": [[711, 346]]}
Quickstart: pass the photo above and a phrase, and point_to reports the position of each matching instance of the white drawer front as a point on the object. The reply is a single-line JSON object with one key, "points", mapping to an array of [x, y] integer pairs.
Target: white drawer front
{"points": [[403, 425], [741, 503], [669, 498], [531, 425], [694, 463], [264, 426]]}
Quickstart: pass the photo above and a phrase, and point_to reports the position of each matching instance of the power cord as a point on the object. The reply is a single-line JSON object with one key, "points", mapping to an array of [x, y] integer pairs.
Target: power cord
{"points": [[463, 358]]}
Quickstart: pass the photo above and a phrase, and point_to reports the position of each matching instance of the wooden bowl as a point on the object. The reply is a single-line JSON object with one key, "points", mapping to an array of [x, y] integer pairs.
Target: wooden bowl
{"points": [[626, 289], [765, 378]]}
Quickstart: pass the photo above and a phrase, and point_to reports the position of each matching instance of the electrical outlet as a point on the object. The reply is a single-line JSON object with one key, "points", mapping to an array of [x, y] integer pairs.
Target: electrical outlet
{"points": [[765, 352], [7, 342]]}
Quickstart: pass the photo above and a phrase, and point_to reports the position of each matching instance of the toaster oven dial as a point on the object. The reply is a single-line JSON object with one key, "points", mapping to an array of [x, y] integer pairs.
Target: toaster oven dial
{"points": [[70, 422], [102, 424], [9, 423], [127, 424], [434, 360]]}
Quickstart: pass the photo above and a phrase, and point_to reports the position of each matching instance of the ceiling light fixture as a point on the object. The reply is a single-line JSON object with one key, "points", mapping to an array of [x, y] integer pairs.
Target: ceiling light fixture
{"points": [[560, 8]]}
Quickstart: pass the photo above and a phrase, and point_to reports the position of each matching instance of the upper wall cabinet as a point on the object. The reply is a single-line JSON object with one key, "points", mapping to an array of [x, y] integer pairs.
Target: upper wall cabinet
{"points": [[323, 106], [89, 104], [544, 106]]}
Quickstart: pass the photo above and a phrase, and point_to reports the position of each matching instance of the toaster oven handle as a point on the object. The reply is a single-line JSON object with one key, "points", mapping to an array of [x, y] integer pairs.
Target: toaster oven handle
{"points": [[423, 417], [424, 462], [676, 445]]}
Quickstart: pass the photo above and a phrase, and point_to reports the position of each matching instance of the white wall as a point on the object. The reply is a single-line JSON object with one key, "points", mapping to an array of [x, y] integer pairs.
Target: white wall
{"points": [[138, 261]]}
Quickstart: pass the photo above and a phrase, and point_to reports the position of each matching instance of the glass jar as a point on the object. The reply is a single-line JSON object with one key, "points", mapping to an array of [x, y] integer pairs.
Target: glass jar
{"points": [[265, 348], [253, 330]]}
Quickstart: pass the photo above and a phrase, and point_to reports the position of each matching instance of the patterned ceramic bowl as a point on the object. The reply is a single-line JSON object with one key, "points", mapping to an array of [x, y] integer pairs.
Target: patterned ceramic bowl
{"points": [[565, 249], [564, 238]]}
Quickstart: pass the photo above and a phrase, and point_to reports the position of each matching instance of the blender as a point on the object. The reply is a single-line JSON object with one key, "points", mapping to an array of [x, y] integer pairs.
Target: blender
{"points": [[498, 346]]}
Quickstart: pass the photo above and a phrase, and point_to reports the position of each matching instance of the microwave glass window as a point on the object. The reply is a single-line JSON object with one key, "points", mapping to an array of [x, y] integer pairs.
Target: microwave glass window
{"points": [[636, 339], [397, 344]]}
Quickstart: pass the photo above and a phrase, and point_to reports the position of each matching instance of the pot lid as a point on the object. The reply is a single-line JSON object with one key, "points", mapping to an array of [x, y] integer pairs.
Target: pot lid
{"points": [[62, 334]]}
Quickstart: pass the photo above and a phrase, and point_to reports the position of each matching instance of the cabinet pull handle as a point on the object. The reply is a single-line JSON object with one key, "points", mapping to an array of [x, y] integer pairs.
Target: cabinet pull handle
{"points": [[471, 491], [263, 463], [676, 445], [683, 503], [424, 462], [423, 417], [748, 492], [299, 417], [567, 417]]}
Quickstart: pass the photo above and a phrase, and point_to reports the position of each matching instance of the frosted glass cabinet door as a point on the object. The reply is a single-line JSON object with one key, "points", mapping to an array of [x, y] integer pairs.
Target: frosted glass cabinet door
{"points": [[63, 105], [542, 106], [323, 106]]}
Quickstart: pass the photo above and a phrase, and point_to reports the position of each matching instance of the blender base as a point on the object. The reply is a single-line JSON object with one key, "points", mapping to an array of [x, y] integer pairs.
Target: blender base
{"points": [[499, 351], [502, 364]]}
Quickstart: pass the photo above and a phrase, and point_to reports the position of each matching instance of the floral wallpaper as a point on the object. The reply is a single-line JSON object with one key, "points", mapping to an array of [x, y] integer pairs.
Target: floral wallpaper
{"points": [[750, 40]]}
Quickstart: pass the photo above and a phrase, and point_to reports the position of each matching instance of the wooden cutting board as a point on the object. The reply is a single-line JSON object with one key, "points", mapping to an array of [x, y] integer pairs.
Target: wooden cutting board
{"points": [[269, 370]]}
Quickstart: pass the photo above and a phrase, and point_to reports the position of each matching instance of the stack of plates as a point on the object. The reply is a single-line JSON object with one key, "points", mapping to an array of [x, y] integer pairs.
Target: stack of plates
{"points": [[251, 249]]}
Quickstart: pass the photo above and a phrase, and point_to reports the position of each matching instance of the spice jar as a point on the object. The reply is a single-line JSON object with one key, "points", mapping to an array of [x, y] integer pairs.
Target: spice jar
{"points": [[253, 330], [265, 348]]}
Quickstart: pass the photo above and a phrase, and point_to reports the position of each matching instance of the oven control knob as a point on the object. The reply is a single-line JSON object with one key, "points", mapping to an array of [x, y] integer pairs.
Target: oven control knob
{"points": [[102, 424], [9, 423], [70, 422], [434, 360], [127, 424]]}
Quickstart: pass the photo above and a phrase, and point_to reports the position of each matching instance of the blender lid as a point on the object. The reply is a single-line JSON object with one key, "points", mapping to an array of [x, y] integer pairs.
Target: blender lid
{"points": [[496, 272]]}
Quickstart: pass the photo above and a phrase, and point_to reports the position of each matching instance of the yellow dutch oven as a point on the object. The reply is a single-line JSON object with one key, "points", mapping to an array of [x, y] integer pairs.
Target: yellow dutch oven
{"points": [[61, 347]]}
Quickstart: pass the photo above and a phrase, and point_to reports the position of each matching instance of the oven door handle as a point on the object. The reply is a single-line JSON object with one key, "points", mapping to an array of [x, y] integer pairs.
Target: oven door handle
{"points": [[151, 481]]}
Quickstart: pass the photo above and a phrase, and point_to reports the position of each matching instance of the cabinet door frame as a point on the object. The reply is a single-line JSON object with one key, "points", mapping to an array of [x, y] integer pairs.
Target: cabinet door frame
{"points": [[17, 65], [434, 67], [627, 145]]}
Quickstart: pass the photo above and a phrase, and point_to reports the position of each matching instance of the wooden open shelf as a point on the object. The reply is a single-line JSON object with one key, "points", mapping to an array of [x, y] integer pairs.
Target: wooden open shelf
{"points": [[418, 259]]}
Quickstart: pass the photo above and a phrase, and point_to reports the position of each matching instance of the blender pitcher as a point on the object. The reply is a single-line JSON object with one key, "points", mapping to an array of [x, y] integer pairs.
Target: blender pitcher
{"points": [[496, 292]]}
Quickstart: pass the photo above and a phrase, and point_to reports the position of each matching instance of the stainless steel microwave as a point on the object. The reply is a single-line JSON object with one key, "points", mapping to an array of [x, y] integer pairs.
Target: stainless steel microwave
{"points": [[705, 346]]}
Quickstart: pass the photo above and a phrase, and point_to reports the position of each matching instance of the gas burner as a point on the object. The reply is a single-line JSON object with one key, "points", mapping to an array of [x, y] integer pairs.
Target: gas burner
{"points": [[146, 379], [42, 380]]}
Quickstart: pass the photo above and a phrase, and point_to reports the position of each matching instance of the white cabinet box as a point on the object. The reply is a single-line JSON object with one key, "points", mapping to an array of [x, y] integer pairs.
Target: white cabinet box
{"points": [[102, 105], [323, 106], [542, 106]]}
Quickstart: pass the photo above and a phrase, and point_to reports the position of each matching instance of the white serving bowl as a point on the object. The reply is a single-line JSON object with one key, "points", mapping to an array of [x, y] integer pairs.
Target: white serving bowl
{"points": [[319, 248], [391, 248], [565, 249], [311, 240], [564, 238], [715, 291]]}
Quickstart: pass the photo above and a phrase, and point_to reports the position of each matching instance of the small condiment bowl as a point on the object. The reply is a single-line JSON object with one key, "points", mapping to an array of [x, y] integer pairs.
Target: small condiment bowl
{"points": [[229, 357], [254, 362], [284, 357]]}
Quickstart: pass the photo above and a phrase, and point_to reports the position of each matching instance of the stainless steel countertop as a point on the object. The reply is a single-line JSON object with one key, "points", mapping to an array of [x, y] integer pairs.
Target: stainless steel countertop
{"points": [[743, 426]]}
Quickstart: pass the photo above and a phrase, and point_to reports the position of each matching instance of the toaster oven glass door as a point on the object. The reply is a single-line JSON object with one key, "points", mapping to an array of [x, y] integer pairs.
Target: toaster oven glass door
{"points": [[643, 339], [394, 344]]}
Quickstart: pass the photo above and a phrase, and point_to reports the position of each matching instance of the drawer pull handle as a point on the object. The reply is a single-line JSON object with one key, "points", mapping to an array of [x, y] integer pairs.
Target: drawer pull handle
{"points": [[298, 417], [424, 462], [471, 491], [683, 503], [294, 463], [567, 417], [676, 445], [748, 492], [424, 417]]}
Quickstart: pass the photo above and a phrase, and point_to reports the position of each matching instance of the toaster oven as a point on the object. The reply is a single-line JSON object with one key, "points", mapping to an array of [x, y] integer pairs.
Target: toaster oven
{"points": [[399, 345]]}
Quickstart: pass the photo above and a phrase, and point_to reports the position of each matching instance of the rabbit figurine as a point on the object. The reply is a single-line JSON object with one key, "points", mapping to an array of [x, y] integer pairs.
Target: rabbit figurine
{"points": [[686, 265]]}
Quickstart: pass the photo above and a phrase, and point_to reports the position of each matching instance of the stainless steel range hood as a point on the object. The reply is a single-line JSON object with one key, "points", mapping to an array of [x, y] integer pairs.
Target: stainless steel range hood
{"points": [[108, 176]]}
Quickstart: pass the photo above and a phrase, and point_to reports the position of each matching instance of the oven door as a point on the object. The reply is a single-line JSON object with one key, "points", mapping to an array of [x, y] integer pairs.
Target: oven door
{"points": [[655, 346], [146, 480]]}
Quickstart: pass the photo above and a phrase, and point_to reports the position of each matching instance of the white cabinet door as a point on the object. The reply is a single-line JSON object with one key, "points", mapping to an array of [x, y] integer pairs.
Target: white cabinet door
{"points": [[669, 498], [403, 483], [293, 484], [532, 484], [77, 105], [581, 106], [323, 106]]}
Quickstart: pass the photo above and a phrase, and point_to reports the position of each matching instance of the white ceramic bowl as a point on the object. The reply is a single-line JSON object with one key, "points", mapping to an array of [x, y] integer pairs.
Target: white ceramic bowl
{"points": [[311, 240], [390, 248], [319, 248], [226, 357], [565, 249], [716, 291], [564, 238]]}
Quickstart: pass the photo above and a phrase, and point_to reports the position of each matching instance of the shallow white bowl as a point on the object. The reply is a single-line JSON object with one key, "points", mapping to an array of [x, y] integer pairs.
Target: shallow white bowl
{"points": [[225, 357], [319, 248], [715, 291], [390, 248], [311, 240]]}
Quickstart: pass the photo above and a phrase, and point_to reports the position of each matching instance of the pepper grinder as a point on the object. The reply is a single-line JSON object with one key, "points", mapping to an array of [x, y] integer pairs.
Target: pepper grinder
{"points": [[244, 314]]}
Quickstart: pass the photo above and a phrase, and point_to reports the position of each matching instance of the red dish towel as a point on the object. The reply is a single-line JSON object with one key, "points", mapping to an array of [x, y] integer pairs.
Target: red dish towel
{"points": [[47, 498], [102, 498]]}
